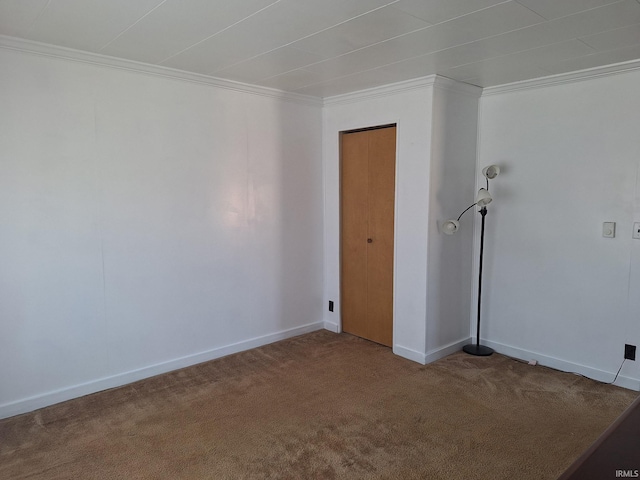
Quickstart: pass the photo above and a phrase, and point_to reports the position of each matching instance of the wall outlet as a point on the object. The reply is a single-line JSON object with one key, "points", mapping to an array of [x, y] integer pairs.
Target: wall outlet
{"points": [[609, 229], [629, 352], [331, 305]]}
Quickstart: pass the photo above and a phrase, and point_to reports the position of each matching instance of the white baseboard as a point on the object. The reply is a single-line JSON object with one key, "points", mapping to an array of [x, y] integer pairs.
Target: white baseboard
{"points": [[442, 352], [332, 327], [50, 398], [565, 366], [431, 355], [409, 354]]}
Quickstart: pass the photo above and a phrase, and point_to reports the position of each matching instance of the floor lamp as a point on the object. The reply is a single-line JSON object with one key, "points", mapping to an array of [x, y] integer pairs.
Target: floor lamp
{"points": [[483, 198]]}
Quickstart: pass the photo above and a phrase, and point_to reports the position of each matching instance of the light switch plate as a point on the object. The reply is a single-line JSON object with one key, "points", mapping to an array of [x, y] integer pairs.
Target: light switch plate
{"points": [[636, 230], [609, 229]]}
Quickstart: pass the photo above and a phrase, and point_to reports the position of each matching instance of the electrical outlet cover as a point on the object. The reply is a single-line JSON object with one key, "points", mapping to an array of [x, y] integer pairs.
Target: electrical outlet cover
{"points": [[609, 229], [629, 352]]}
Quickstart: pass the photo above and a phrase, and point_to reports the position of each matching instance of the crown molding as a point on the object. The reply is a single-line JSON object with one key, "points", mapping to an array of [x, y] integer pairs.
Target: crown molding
{"points": [[562, 78], [435, 81], [64, 53], [457, 86], [381, 91]]}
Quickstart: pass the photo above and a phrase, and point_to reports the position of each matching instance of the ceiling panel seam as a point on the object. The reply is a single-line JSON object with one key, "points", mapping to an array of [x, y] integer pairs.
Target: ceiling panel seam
{"points": [[130, 26], [35, 20], [218, 32], [283, 45]]}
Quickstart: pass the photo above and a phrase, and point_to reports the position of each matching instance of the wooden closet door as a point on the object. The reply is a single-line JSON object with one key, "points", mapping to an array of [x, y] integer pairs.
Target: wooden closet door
{"points": [[354, 232], [367, 221]]}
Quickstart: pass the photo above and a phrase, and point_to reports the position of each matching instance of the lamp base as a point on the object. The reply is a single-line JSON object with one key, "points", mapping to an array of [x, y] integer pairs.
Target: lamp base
{"points": [[478, 350]]}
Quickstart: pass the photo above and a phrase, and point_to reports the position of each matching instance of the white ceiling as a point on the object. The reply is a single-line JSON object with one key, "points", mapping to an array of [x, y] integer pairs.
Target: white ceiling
{"points": [[329, 47]]}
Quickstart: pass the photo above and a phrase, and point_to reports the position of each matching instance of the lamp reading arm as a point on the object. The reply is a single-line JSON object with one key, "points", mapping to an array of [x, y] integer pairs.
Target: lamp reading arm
{"points": [[466, 210], [482, 199], [451, 226]]}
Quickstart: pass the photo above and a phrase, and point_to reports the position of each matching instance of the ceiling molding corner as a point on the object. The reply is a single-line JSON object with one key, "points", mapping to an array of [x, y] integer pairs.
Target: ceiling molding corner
{"points": [[457, 86], [381, 91], [563, 78], [47, 50]]}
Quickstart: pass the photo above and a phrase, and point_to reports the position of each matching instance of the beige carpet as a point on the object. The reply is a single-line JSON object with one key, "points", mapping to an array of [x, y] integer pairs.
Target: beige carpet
{"points": [[320, 406]]}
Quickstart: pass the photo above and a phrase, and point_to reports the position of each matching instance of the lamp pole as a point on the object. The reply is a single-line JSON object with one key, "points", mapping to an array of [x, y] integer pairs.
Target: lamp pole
{"points": [[477, 349], [451, 226]]}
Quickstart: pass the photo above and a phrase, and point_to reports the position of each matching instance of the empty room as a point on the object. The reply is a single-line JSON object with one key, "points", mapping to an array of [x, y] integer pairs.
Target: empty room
{"points": [[319, 239]]}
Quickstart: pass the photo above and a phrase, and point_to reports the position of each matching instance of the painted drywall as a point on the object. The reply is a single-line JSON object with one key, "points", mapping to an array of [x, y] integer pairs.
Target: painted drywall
{"points": [[452, 180], [556, 290], [147, 223], [410, 110], [430, 164]]}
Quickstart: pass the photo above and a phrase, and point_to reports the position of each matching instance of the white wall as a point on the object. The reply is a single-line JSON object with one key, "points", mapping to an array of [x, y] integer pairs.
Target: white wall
{"points": [[147, 223], [452, 189], [556, 290], [431, 163]]}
